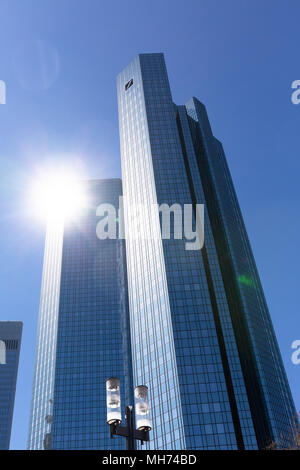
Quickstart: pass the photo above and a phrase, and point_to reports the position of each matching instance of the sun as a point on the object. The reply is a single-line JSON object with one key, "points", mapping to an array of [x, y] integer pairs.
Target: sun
{"points": [[57, 196]]}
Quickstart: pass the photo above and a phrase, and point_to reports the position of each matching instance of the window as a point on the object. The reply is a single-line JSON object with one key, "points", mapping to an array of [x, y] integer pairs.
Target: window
{"points": [[129, 84]]}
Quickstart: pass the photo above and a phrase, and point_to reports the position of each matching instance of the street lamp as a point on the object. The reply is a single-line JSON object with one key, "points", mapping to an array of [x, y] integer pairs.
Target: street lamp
{"points": [[113, 401], [114, 418], [142, 408]]}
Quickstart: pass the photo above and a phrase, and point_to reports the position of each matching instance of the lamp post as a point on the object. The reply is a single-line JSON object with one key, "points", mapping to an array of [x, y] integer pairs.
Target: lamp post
{"points": [[114, 416]]}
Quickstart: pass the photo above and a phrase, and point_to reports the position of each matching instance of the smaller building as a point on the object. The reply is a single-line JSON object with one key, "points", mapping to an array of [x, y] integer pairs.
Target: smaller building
{"points": [[10, 344]]}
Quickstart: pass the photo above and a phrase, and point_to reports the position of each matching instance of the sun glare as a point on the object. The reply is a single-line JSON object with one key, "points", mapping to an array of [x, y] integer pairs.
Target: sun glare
{"points": [[57, 196]]}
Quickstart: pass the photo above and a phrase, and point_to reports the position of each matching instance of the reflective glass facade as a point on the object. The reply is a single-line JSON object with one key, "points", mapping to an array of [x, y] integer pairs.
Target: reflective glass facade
{"points": [[92, 332], [45, 354], [267, 386], [202, 339], [10, 338]]}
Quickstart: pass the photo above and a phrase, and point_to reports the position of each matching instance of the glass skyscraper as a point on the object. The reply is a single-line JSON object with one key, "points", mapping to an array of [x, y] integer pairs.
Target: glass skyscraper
{"points": [[10, 344], [201, 334], [191, 324], [83, 334]]}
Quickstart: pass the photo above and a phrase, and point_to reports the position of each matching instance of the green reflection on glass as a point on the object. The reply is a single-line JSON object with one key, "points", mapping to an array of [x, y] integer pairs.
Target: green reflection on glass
{"points": [[245, 280]]}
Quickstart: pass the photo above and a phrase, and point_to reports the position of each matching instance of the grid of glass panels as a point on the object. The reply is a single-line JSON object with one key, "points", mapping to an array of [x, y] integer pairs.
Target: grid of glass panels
{"points": [[268, 378], [153, 349], [10, 334], [45, 356], [154, 170], [93, 339], [200, 369], [245, 418]]}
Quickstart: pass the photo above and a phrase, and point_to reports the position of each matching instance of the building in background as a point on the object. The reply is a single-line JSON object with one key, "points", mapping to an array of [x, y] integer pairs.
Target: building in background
{"points": [[10, 345], [83, 334], [202, 337]]}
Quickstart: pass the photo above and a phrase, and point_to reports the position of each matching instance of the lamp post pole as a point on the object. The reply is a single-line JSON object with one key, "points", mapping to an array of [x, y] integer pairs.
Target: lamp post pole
{"points": [[130, 427], [129, 430]]}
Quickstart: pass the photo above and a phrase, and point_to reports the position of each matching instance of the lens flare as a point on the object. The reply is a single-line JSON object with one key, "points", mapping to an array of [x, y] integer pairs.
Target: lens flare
{"points": [[57, 196], [247, 281]]}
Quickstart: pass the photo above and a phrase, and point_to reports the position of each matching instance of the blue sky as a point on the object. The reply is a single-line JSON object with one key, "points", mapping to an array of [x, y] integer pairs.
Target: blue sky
{"points": [[60, 59]]}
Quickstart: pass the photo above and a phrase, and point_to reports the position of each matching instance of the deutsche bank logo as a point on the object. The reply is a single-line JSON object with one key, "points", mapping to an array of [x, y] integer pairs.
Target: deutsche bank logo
{"points": [[2, 352], [2, 92]]}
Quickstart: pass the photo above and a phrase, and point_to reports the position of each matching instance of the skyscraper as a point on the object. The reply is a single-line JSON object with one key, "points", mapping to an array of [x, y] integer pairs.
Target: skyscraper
{"points": [[83, 334], [10, 344], [202, 337]]}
